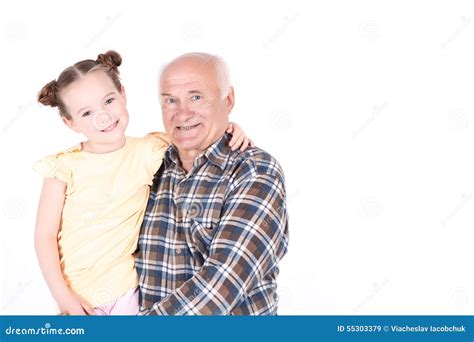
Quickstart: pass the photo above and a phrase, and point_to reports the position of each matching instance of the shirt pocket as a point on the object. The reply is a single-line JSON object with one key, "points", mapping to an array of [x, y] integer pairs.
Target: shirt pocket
{"points": [[201, 239], [203, 218]]}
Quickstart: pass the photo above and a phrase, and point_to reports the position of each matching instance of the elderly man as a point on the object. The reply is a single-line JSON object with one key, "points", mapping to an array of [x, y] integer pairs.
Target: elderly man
{"points": [[216, 223]]}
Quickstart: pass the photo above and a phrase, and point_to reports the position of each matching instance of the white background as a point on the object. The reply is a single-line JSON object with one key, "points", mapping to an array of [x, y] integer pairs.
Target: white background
{"points": [[368, 106]]}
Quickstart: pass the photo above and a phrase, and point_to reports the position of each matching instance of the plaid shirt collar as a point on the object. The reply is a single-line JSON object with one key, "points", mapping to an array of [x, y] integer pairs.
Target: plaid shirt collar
{"points": [[218, 153]]}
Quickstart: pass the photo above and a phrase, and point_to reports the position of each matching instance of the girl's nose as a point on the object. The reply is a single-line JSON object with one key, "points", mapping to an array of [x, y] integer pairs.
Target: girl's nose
{"points": [[102, 120]]}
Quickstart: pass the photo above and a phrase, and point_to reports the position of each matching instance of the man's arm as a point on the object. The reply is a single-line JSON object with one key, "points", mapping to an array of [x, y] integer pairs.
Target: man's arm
{"points": [[250, 240]]}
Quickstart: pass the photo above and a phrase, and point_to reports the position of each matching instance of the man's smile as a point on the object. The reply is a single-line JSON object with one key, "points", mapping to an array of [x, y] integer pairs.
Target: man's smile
{"points": [[188, 127]]}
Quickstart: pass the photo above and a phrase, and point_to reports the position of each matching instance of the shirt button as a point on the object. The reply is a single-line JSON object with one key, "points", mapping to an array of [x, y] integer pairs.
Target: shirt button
{"points": [[178, 250]]}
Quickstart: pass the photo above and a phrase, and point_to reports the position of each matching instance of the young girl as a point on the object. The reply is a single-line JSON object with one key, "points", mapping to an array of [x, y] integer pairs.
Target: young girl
{"points": [[94, 194]]}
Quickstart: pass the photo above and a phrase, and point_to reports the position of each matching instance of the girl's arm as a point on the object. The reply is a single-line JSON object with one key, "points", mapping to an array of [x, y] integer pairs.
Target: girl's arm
{"points": [[46, 245]]}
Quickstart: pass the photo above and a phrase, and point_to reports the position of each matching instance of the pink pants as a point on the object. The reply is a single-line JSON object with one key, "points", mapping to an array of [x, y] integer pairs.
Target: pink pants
{"points": [[124, 305]]}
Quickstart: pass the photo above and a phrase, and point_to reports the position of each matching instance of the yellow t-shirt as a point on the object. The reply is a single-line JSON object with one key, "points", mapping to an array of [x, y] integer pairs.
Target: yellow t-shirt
{"points": [[105, 203]]}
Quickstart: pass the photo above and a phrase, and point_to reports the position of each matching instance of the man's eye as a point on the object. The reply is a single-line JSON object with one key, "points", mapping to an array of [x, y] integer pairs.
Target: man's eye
{"points": [[170, 100], [109, 101], [196, 97], [86, 113]]}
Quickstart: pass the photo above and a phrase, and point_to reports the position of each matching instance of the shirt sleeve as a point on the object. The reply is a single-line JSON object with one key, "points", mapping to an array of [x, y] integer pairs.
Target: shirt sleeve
{"points": [[156, 145], [251, 238], [53, 166]]}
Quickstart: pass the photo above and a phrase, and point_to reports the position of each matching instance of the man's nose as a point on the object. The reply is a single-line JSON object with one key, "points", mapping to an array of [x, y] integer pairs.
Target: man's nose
{"points": [[183, 110]]}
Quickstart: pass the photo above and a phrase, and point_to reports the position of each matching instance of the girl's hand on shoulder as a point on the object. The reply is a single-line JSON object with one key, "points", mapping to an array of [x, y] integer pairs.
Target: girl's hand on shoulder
{"points": [[239, 139]]}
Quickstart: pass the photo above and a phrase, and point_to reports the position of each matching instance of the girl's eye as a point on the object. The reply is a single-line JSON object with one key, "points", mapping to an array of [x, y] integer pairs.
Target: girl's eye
{"points": [[109, 101], [196, 97], [86, 113]]}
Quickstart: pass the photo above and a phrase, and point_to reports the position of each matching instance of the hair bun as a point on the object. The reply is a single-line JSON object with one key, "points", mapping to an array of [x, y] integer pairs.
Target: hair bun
{"points": [[48, 95], [110, 59]]}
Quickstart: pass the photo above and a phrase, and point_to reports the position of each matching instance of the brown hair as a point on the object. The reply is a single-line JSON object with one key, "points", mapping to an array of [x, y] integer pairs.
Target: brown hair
{"points": [[50, 94]]}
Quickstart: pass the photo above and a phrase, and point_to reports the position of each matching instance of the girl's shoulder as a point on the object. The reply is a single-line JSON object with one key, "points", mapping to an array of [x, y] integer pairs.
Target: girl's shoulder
{"points": [[152, 141], [57, 165], [157, 138], [69, 153], [152, 148], [65, 155]]}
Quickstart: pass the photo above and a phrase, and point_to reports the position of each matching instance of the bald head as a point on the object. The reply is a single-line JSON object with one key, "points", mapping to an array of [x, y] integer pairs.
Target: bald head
{"points": [[212, 66]]}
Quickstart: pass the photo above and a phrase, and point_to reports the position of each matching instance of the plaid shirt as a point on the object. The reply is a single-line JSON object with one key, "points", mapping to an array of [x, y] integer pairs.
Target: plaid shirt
{"points": [[211, 239]]}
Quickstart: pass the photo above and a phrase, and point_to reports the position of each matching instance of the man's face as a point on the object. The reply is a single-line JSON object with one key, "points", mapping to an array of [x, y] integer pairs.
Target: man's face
{"points": [[195, 113]]}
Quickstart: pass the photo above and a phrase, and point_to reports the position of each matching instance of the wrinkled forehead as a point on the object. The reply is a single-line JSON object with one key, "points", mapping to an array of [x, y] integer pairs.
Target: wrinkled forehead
{"points": [[184, 75]]}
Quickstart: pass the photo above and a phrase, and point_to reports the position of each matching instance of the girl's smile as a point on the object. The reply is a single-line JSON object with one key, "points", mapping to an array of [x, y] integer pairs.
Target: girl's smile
{"points": [[110, 127]]}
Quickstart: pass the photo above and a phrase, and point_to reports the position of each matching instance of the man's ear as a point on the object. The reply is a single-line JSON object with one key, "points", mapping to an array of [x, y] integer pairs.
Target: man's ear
{"points": [[124, 95], [229, 100], [70, 123]]}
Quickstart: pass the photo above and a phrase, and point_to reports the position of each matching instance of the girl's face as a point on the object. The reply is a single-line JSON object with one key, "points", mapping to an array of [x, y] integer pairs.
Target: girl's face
{"points": [[97, 108]]}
